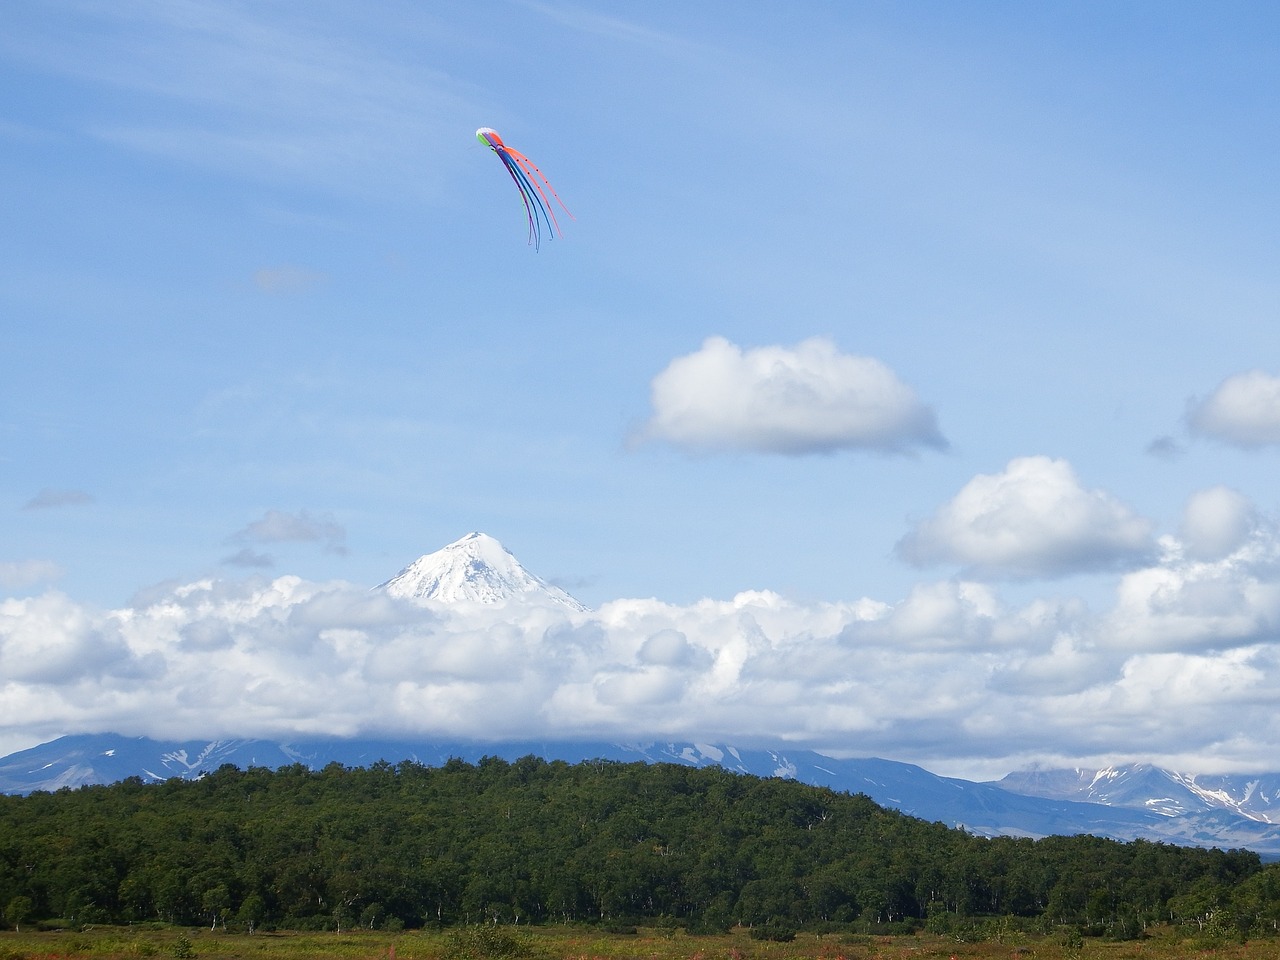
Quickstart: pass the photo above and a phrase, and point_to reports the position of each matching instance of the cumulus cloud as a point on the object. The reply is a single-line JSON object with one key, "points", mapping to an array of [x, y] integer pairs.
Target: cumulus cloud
{"points": [[1243, 411], [1034, 519], [1185, 659], [51, 640], [1186, 604], [1215, 522], [279, 526], [49, 498], [808, 399]]}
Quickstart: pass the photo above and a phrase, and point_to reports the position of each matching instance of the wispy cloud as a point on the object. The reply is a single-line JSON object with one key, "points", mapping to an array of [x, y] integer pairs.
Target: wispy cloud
{"points": [[49, 498], [286, 279], [280, 526], [20, 574], [1165, 448], [260, 93], [616, 28], [248, 557]]}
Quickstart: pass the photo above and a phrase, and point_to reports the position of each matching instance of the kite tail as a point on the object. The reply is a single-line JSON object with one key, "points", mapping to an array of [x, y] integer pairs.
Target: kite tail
{"points": [[534, 202], [539, 181], [525, 197]]}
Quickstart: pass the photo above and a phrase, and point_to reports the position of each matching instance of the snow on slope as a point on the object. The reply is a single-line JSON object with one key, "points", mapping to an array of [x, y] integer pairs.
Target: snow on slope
{"points": [[476, 568], [1147, 787]]}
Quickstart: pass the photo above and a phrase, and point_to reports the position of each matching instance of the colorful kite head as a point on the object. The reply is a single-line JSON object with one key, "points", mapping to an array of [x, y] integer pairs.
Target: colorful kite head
{"points": [[530, 182]]}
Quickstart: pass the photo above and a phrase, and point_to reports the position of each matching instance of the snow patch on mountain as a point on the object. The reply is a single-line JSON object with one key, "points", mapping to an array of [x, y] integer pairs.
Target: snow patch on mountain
{"points": [[1166, 792], [478, 569]]}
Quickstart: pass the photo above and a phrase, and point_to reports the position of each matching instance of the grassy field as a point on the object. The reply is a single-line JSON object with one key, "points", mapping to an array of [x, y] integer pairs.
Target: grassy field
{"points": [[131, 943]]}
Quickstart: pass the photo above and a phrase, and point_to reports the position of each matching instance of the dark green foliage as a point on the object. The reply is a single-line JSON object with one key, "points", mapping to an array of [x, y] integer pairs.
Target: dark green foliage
{"points": [[483, 846], [776, 931], [486, 942], [18, 912], [619, 929]]}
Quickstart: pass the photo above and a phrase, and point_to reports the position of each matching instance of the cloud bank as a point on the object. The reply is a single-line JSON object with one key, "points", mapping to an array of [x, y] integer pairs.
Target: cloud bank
{"points": [[807, 399], [1183, 668], [1033, 519]]}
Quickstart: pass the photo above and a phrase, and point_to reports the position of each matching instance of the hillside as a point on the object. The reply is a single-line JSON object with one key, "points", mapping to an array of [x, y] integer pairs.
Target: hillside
{"points": [[537, 841]]}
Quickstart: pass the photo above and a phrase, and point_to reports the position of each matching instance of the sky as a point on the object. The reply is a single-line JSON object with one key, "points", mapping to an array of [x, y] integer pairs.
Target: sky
{"points": [[905, 384]]}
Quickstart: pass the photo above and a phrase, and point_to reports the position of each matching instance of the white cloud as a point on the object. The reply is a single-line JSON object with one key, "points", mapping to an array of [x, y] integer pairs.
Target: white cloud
{"points": [[948, 613], [1194, 680], [1032, 520], [1184, 604], [808, 399], [668, 648], [1216, 522], [1243, 411], [1206, 711], [1187, 659], [50, 639]]}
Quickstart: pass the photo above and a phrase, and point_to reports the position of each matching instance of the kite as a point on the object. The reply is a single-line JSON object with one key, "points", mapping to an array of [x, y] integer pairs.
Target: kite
{"points": [[531, 183]]}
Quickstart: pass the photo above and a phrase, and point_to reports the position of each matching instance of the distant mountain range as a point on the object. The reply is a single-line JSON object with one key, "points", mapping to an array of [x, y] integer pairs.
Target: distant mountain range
{"points": [[1124, 803], [1154, 804], [1141, 786]]}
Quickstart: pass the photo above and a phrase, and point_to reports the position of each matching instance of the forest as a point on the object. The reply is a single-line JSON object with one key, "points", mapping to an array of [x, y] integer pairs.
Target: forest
{"points": [[604, 843]]}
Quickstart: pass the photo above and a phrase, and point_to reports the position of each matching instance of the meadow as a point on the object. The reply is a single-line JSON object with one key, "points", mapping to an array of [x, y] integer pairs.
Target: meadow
{"points": [[583, 943]]}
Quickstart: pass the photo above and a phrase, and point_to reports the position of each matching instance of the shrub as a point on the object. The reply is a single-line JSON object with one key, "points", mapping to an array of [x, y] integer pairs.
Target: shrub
{"points": [[615, 927], [775, 930], [485, 943]]}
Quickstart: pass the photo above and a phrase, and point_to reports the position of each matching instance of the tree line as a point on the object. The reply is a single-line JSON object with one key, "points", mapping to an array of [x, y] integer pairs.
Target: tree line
{"points": [[536, 841]]}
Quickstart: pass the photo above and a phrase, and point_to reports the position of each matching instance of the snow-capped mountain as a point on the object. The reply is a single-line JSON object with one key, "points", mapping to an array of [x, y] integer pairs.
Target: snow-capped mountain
{"points": [[985, 809], [476, 568], [1141, 786]]}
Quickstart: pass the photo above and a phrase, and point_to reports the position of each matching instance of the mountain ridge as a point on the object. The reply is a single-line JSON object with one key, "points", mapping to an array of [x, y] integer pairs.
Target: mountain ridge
{"points": [[1145, 786], [985, 809]]}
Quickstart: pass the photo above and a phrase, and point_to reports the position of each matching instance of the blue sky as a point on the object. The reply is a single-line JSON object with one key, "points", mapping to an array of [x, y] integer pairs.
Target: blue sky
{"points": [[862, 302]]}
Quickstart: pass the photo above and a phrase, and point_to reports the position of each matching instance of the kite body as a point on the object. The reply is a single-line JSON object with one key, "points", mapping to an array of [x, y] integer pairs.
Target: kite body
{"points": [[535, 191]]}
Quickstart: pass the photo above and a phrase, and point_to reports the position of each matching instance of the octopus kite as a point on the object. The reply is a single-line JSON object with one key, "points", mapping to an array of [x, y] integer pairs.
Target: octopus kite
{"points": [[533, 186]]}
